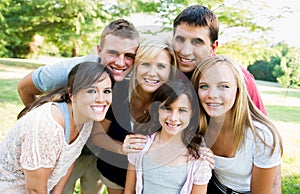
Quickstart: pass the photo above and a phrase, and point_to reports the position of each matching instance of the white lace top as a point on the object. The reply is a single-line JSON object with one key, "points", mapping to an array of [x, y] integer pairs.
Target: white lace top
{"points": [[37, 141]]}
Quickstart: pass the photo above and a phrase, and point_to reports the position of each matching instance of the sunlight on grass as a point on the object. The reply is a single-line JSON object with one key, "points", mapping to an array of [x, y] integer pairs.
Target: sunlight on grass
{"points": [[284, 113]]}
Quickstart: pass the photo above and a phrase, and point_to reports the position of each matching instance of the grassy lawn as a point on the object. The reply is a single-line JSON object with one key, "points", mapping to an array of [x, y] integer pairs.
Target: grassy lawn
{"points": [[283, 107]]}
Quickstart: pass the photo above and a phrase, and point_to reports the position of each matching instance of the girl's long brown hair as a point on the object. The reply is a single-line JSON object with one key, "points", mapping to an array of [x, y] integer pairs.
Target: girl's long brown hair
{"points": [[81, 76]]}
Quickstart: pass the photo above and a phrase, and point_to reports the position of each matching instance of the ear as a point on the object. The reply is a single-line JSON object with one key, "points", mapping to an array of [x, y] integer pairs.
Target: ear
{"points": [[70, 94], [214, 46], [99, 49]]}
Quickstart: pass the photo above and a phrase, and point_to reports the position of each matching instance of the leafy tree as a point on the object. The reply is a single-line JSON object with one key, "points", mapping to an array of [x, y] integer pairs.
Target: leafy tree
{"points": [[69, 24], [290, 64], [74, 25]]}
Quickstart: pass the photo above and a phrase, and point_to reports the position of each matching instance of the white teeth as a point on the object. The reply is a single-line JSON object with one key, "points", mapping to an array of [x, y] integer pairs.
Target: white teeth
{"points": [[151, 81], [186, 60], [213, 104], [172, 125], [118, 70], [98, 109]]}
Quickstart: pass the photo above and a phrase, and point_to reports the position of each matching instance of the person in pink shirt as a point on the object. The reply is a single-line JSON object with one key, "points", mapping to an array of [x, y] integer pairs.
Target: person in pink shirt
{"points": [[195, 37]]}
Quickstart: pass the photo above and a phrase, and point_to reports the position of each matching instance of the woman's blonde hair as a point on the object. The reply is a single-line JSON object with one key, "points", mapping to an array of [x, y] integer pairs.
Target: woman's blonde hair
{"points": [[146, 52], [244, 112]]}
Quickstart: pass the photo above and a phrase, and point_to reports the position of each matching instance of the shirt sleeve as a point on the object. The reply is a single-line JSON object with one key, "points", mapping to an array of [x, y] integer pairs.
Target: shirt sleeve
{"points": [[132, 158], [50, 77], [203, 172], [253, 90], [262, 153], [42, 143]]}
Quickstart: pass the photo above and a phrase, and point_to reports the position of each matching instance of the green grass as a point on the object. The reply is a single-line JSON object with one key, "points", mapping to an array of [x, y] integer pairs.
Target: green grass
{"points": [[17, 63], [282, 107], [284, 113]]}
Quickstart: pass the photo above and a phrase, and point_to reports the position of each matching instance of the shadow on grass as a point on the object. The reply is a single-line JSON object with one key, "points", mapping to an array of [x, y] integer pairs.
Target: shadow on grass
{"points": [[291, 184], [8, 91], [28, 65], [284, 113]]}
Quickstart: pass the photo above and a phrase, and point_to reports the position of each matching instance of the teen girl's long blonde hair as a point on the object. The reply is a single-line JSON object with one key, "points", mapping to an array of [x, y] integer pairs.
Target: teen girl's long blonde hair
{"points": [[244, 112]]}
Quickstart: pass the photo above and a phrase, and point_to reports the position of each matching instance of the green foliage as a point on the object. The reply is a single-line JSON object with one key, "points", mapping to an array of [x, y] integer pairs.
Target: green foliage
{"points": [[282, 65], [291, 184], [263, 70], [74, 26], [290, 65], [69, 24]]}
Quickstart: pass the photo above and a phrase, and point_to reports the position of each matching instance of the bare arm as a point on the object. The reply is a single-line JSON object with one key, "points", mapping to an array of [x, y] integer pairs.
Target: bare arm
{"points": [[36, 180], [27, 90], [276, 189], [130, 180], [102, 140], [199, 189], [262, 180], [58, 189]]}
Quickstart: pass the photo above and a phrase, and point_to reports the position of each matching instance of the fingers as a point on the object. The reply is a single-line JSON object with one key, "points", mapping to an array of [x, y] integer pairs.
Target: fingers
{"points": [[207, 154], [134, 143]]}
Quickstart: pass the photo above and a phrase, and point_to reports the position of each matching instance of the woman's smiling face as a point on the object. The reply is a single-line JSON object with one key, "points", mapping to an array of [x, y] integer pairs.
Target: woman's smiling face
{"points": [[150, 75]]}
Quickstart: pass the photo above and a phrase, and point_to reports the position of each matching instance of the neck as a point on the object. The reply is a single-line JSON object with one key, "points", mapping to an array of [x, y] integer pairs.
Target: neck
{"points": [[216, 126], [76, 119], [145, 96], [165, 138]]}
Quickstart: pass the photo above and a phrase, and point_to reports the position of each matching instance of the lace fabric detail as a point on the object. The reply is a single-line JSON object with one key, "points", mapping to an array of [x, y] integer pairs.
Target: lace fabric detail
{"points": [[37, 141]]}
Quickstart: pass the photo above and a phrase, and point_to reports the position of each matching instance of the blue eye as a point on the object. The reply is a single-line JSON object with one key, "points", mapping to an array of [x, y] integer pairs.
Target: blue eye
{"points": [[223, 86], [107, 91], [161, 66], [146, 64], [203, 87]]}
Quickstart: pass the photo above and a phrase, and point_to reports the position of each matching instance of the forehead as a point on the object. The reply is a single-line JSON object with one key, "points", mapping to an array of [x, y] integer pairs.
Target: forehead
{"points": [[219, 72], [119, 44], [103, 81], [181, 101], [185, 29]]}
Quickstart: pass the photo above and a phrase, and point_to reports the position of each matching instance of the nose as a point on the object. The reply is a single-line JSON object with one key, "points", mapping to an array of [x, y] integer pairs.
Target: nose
{"points": [[212, 92], [99, 97], [152, 70], [120, 60], [186, 49], [174, 115]]}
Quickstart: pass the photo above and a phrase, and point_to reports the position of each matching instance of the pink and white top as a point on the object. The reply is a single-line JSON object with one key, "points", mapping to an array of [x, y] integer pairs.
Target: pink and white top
{"points": [[198, 170]]}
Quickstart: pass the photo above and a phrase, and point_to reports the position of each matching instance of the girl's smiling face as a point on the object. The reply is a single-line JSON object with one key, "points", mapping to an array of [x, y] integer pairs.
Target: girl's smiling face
{"points": [[93, 102], [217, 90], [151, 75], [175, 117]]}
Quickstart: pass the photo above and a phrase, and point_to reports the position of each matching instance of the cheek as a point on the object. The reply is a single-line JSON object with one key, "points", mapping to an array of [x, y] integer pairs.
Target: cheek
{"points": [[109, 99], [140, 71], [201, 95], [165, 74], [230, 98]]}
